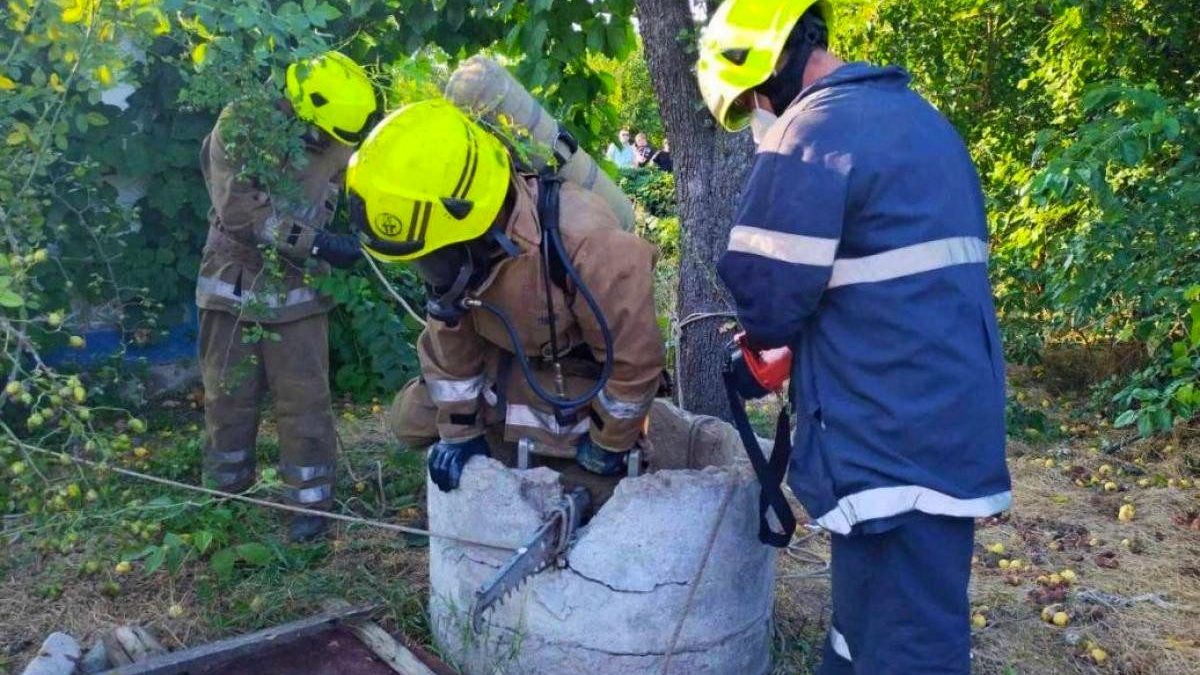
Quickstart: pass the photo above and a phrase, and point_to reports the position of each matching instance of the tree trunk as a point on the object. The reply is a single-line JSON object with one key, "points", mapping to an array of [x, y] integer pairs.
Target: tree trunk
{"points": [[710, 169]]}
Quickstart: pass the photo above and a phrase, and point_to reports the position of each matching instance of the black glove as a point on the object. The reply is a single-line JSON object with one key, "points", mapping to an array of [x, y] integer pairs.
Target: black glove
{"points": [[447, 459], [339, 250], [598, 460]]}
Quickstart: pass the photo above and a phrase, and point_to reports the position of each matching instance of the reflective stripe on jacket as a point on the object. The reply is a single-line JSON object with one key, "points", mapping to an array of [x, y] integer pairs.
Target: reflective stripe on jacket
{"points": [[861, 242], [244, 218], [472, 362]]}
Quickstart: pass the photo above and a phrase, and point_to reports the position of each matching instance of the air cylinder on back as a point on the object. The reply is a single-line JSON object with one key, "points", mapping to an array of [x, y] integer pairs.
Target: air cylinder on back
{"points": [[483, 87]]}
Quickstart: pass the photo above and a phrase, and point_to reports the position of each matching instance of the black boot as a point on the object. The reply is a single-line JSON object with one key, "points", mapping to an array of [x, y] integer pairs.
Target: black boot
{"points": [[304, 528]]}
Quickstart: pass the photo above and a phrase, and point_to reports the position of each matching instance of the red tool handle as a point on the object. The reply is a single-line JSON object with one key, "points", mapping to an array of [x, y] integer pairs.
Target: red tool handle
{"points": [[770, 367]]}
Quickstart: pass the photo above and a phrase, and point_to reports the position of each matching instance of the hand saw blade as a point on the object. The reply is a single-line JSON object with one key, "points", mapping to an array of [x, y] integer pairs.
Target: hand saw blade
{"points": [[535, 556], [529, 560]]}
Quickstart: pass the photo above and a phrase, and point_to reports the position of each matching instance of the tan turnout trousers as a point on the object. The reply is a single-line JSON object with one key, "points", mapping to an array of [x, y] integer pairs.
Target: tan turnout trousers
{"points": [[237, 377]]}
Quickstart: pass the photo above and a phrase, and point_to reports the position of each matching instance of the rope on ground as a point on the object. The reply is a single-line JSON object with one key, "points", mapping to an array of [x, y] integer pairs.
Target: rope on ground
{"points": [[392, 290], [695, 584], [1114, 601], [391, 527]]}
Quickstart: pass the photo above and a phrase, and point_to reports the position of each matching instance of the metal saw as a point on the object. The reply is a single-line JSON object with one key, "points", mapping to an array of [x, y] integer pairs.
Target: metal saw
{"points": [[547, 547]]}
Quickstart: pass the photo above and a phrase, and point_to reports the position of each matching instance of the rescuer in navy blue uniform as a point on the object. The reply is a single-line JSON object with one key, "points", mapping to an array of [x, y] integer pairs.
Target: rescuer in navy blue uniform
{"points": [[861, 244]]}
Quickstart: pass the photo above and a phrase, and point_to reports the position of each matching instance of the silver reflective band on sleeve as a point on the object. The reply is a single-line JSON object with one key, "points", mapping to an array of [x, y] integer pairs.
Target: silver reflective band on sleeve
{"points": [[525, 416], [790, 248], [910, 260], [623, 410], [226, 290], [840, 646], [304, 474], [455, 391], [892, 501], [312, 495]]}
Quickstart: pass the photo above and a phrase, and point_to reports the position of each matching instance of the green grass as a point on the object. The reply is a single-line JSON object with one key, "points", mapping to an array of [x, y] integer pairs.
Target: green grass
{"points": [[70, 532]]}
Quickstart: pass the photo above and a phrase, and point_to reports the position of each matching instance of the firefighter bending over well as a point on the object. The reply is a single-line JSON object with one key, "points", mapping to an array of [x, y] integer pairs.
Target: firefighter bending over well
{"points": [[548, 335], [334, 96]]}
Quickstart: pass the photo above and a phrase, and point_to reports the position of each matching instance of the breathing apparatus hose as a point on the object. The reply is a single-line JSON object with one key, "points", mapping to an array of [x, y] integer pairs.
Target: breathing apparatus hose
{"points": [[566, 405]]}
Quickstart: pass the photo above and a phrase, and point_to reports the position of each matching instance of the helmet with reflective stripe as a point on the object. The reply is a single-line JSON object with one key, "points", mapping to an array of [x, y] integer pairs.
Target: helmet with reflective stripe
{"points": [[740, 48], [333, 93], [427, 177]]}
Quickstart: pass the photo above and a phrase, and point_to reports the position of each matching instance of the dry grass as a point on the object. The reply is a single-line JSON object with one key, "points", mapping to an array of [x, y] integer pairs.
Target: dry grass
{"points": [[1056, 524]]}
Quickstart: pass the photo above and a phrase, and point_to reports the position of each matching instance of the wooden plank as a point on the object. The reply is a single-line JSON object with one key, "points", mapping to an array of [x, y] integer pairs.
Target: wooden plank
{"points": [[394, 654], [215, 653]]}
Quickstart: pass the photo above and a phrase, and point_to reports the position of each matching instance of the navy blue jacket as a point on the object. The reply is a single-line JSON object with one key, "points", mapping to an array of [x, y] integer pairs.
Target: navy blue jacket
{"points": [[861, 242]]}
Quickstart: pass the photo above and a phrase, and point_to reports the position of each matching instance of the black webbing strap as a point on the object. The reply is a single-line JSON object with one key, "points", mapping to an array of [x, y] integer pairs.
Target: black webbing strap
{"points": [[549, 216], [770, 471]]}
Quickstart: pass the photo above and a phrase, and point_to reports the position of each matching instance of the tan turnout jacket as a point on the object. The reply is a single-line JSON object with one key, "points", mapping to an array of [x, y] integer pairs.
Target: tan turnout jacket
{"points": [[470, 371], [244, 218]]}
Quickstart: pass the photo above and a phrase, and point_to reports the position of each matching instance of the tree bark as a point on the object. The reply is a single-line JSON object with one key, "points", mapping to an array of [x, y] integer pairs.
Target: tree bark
{"points": [[710, 170]]}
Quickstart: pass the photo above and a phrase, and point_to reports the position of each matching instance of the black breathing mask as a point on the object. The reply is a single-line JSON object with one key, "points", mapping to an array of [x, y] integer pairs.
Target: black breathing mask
{"points": [[783, 88], [450, 273]]}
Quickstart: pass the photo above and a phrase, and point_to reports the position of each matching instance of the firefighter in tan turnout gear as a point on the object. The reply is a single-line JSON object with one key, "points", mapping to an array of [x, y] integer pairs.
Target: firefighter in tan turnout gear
{"points": [[239, 294], [542, 327]]}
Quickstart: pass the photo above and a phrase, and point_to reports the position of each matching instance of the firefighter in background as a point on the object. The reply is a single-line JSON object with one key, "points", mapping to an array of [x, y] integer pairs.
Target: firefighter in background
{"points": [[334, 96], [861, 243], [432, 188]]}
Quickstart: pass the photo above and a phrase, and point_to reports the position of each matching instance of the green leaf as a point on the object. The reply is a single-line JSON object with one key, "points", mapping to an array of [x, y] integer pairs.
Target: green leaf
{"points": [[222, 562], [202, 540], [1171, 128], [155, 559], [323, 14], [535, 37], [10, 300], [175, 558], [1163, 419], [1125, 419], [1145, 425], [595, 37], [1131, 151], [1194, 337], [254, 553]]}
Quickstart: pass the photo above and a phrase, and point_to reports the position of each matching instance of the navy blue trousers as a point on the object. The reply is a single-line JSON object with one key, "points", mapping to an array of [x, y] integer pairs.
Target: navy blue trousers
{"points": [[900, 603]]}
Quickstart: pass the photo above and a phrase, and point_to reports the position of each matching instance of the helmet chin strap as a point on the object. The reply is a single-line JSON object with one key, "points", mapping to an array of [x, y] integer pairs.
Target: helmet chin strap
{"points": [[448, 306]]}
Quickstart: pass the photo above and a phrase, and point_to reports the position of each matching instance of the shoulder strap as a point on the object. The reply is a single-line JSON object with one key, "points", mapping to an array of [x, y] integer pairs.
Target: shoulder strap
{"points": [[773, 508], [549, 212]]}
